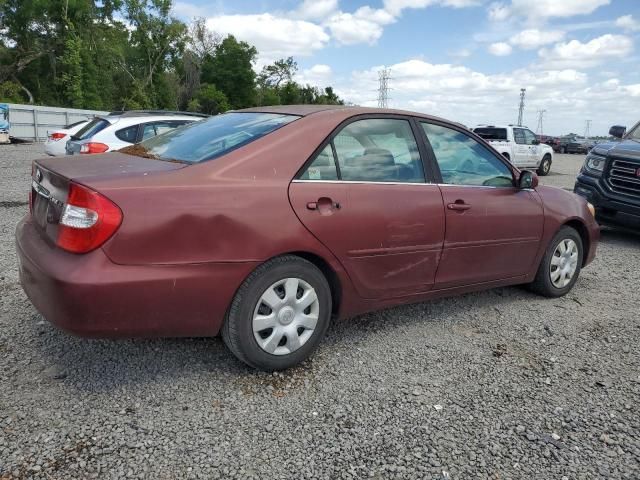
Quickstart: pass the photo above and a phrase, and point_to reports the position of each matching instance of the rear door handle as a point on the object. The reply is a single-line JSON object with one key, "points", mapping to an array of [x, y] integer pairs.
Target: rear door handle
{"points": [[324, 203], [459, 206]]}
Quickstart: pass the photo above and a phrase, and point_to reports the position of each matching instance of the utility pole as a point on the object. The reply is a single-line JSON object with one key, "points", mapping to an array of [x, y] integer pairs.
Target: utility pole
{"points": [[539, 129], [587, 128], [384, 76], [521, 108]]}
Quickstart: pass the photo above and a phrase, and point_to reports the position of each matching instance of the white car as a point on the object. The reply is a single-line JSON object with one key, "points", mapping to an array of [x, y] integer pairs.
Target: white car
{"points": [[57, 139], [519, 145], [121, 129]]}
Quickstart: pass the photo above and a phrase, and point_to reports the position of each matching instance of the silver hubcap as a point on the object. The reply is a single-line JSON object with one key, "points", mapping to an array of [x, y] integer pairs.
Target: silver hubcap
{"points": [[286, 316], [564, 263]]}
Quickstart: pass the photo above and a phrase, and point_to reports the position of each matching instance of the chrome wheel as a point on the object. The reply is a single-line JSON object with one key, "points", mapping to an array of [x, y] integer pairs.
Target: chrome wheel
{"points": [[285, 317], [546, 166], [564, 263]]}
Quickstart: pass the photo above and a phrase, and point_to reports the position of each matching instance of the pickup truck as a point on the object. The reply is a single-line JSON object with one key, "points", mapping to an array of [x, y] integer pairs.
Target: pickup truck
{"points": [[610, 179], [519, 145]]}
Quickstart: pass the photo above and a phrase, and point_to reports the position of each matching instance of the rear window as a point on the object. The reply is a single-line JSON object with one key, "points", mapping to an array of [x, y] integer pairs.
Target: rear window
{"points": [[212, 138], [91, 128], [71, 125], [489, 133]]}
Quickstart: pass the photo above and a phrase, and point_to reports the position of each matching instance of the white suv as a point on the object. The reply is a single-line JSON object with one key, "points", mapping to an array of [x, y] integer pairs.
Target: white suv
{"points": [[121, 129]]}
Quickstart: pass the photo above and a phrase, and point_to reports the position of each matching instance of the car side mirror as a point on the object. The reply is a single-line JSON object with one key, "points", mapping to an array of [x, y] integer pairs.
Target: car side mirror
{"points": [[528, 180], [535, 142], [617, 131]]}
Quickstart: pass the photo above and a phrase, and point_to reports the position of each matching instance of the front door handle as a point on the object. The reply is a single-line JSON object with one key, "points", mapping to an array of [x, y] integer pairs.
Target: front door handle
{"points": [[459, 206]]}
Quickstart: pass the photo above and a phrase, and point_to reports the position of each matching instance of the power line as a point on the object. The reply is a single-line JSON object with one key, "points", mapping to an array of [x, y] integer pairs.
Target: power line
{"points": [[384, 76], [521, 108], [540, 129], [587, 128]]}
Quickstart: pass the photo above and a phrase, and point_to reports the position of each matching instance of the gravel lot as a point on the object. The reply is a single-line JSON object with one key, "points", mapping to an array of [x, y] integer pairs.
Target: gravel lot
{"points": [[500, 384]]}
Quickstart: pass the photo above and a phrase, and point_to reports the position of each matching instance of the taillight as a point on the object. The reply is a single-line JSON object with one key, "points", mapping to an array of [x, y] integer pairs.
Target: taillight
{"points": [[57, 136], [88, 220], [94, 147]]}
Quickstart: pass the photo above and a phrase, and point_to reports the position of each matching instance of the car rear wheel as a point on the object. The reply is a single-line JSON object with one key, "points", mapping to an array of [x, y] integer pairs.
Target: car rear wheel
{"points": [[279, 314], [545, 166], [561, 264]]}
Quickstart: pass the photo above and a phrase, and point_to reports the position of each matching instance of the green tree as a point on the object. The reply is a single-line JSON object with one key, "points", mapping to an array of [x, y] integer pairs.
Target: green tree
{"points": [[230, 69], [210, 100]]}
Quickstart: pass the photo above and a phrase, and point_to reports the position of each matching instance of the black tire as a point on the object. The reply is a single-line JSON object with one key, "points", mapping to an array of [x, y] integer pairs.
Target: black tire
{"points": [[237, 331], [542, 284], [545, 166]]}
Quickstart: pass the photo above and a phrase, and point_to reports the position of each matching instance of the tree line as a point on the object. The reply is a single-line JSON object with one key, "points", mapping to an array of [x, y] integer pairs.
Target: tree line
{"points": [[132, 55]]}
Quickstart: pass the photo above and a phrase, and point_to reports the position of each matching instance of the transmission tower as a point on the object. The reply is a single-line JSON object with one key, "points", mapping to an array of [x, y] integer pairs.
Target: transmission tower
{"points": [[539, 129], [521, 108], [587, 128], [384, 76]]}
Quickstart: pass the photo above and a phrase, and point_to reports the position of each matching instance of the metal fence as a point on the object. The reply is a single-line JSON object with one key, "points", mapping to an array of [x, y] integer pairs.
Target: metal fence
{"points": [[33, 122]]}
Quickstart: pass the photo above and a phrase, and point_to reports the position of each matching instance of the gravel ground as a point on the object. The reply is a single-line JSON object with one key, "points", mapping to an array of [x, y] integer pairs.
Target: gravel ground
{"points": [[500, 384]]}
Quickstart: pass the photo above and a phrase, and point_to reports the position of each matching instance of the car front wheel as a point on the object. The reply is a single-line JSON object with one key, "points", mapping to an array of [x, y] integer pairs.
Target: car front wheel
{"points": [[279, 314], [561, 264]]}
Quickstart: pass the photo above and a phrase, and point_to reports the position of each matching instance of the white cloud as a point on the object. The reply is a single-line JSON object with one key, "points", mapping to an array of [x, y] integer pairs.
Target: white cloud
{"points": [[315, 9], [471, 97], [365, 25], [500, 49], [274, 37], [319, 75], [575, 54], [542, 9], [499, 12], [189, 10], [629, 23], [534, 38], [395, 7]]}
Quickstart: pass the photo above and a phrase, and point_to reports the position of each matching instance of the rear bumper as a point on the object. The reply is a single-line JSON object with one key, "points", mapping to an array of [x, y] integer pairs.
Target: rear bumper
{"points": [[609, 211], [89, 295]]}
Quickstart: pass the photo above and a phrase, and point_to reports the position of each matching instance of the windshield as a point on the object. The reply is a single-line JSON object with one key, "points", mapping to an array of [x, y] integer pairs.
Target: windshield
{"points": [[211, 138], [492, 133], [91, 128]]}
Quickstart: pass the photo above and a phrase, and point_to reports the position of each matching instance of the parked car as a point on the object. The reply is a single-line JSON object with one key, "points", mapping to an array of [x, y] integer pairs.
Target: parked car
{"points": [[610, 179], [57, 139], [121, 129], [519, 145], [264, 224], [573, 144]]}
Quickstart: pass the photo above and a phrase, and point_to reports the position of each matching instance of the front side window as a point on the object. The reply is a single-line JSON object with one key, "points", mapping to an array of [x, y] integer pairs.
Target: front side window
{"points": [[530, 137], [323, 167], [211, 138], [464, 161], [378, 150]]}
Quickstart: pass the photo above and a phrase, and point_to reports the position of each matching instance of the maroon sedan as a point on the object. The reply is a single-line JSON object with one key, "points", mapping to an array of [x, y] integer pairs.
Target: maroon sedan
{"points": [[264, 224]]}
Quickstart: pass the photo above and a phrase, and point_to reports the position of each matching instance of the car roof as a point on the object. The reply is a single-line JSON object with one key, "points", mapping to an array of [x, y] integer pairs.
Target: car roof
{"points": [[345, 110]]}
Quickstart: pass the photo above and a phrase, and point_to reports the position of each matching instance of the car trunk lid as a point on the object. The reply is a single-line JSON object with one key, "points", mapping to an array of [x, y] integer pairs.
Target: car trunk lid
{"points": [[52, 177]]}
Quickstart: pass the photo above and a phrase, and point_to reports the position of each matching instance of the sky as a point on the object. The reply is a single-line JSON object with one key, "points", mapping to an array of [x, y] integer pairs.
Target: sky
{"points": [[464, 60]]}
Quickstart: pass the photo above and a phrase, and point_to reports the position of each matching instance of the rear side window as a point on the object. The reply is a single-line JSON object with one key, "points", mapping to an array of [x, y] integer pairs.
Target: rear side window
{"points": [[212, 138], [323, 167], [518, 136], [490, 133], [128, 134], [90, 129]]}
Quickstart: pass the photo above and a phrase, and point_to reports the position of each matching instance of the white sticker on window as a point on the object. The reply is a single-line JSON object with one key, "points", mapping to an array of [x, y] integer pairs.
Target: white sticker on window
{"points": [[314, 174]]}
